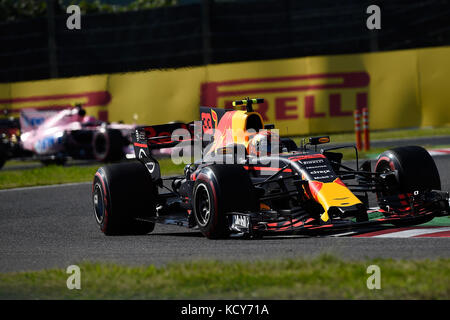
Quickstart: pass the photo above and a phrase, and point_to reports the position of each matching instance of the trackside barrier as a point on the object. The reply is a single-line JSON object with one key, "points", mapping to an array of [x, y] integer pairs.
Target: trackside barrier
{"points": [[302, 96], [357, 115], [365, 115]]}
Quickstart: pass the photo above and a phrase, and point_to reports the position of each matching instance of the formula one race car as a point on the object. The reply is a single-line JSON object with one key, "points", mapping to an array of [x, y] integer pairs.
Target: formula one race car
{"points": [[237, 188], [53, 136]]}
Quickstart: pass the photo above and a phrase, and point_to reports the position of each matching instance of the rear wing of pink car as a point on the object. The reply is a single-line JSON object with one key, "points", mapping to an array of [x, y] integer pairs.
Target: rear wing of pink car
{"points": [[31, 119]]}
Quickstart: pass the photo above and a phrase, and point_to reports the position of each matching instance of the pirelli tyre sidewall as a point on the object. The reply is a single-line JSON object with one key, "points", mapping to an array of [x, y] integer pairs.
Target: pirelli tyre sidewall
{"points": [[121, 193], [219, 189], [416, 170]]}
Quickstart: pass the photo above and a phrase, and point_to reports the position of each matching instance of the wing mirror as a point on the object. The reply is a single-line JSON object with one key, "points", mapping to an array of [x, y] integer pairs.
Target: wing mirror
{"points": [[319, 140]]}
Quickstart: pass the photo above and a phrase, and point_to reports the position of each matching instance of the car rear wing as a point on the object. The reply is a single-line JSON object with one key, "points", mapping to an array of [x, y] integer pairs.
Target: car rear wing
{"points": [[147, 138], [31, 119], [159, 136]]}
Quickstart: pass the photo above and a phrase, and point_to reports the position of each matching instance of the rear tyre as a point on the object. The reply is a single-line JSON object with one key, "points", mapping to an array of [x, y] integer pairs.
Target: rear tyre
{"points": [[416, 171], [122, 194], [107, 145], [220, 189], [288, 143]]}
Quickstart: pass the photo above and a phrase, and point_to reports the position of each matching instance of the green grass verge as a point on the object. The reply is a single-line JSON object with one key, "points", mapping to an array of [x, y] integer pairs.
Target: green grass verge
{"points": [[438, 222], [64, 174], [45, 175], [324, 277]]}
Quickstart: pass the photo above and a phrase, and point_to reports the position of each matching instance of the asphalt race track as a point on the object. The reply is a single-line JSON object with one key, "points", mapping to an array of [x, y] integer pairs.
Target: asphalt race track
{"points": [[46, 227]]}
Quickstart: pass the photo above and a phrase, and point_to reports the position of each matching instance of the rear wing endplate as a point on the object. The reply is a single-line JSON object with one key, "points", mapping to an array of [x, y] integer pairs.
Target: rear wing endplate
{"points": [[147, 138]]}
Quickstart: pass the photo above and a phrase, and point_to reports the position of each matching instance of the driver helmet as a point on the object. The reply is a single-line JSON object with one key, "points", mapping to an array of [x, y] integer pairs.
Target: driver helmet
{"points": [[78, 110], [89, 120], [261, 143]]}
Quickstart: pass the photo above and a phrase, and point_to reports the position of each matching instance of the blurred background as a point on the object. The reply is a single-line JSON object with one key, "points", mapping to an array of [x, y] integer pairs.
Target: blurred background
{"points": [[156, 61], [134, 35]]}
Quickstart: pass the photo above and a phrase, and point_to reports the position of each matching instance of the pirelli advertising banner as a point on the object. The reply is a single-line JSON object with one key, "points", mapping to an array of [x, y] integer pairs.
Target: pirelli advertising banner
{"points": [[57, 94], [402, 89]]}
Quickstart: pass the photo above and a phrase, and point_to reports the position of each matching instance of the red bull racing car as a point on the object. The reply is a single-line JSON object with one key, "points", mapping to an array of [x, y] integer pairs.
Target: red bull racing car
{"points": [[249, 182]]}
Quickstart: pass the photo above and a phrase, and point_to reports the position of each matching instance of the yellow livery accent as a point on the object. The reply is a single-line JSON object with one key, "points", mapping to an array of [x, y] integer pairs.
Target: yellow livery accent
{"points": [[333, 194]]}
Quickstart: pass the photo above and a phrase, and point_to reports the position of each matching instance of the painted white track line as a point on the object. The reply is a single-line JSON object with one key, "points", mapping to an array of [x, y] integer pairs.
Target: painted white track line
{"points": [[411, 233], [47, 186]]}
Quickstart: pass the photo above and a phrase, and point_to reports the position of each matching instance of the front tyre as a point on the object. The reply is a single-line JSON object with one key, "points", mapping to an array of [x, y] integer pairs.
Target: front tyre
{"points": [[220, 189], [415, 171], [123, 195], [210, 222]]}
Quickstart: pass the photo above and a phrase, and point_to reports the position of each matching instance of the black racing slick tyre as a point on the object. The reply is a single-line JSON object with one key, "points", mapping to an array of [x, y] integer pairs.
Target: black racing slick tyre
{"points": [[219, 189], [107, 145], [123, 196], [288, 144], [416, 171]]}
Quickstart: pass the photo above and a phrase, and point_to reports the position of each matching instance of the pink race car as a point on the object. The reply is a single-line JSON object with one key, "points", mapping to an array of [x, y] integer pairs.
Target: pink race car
{"points": [[54, 136]]}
